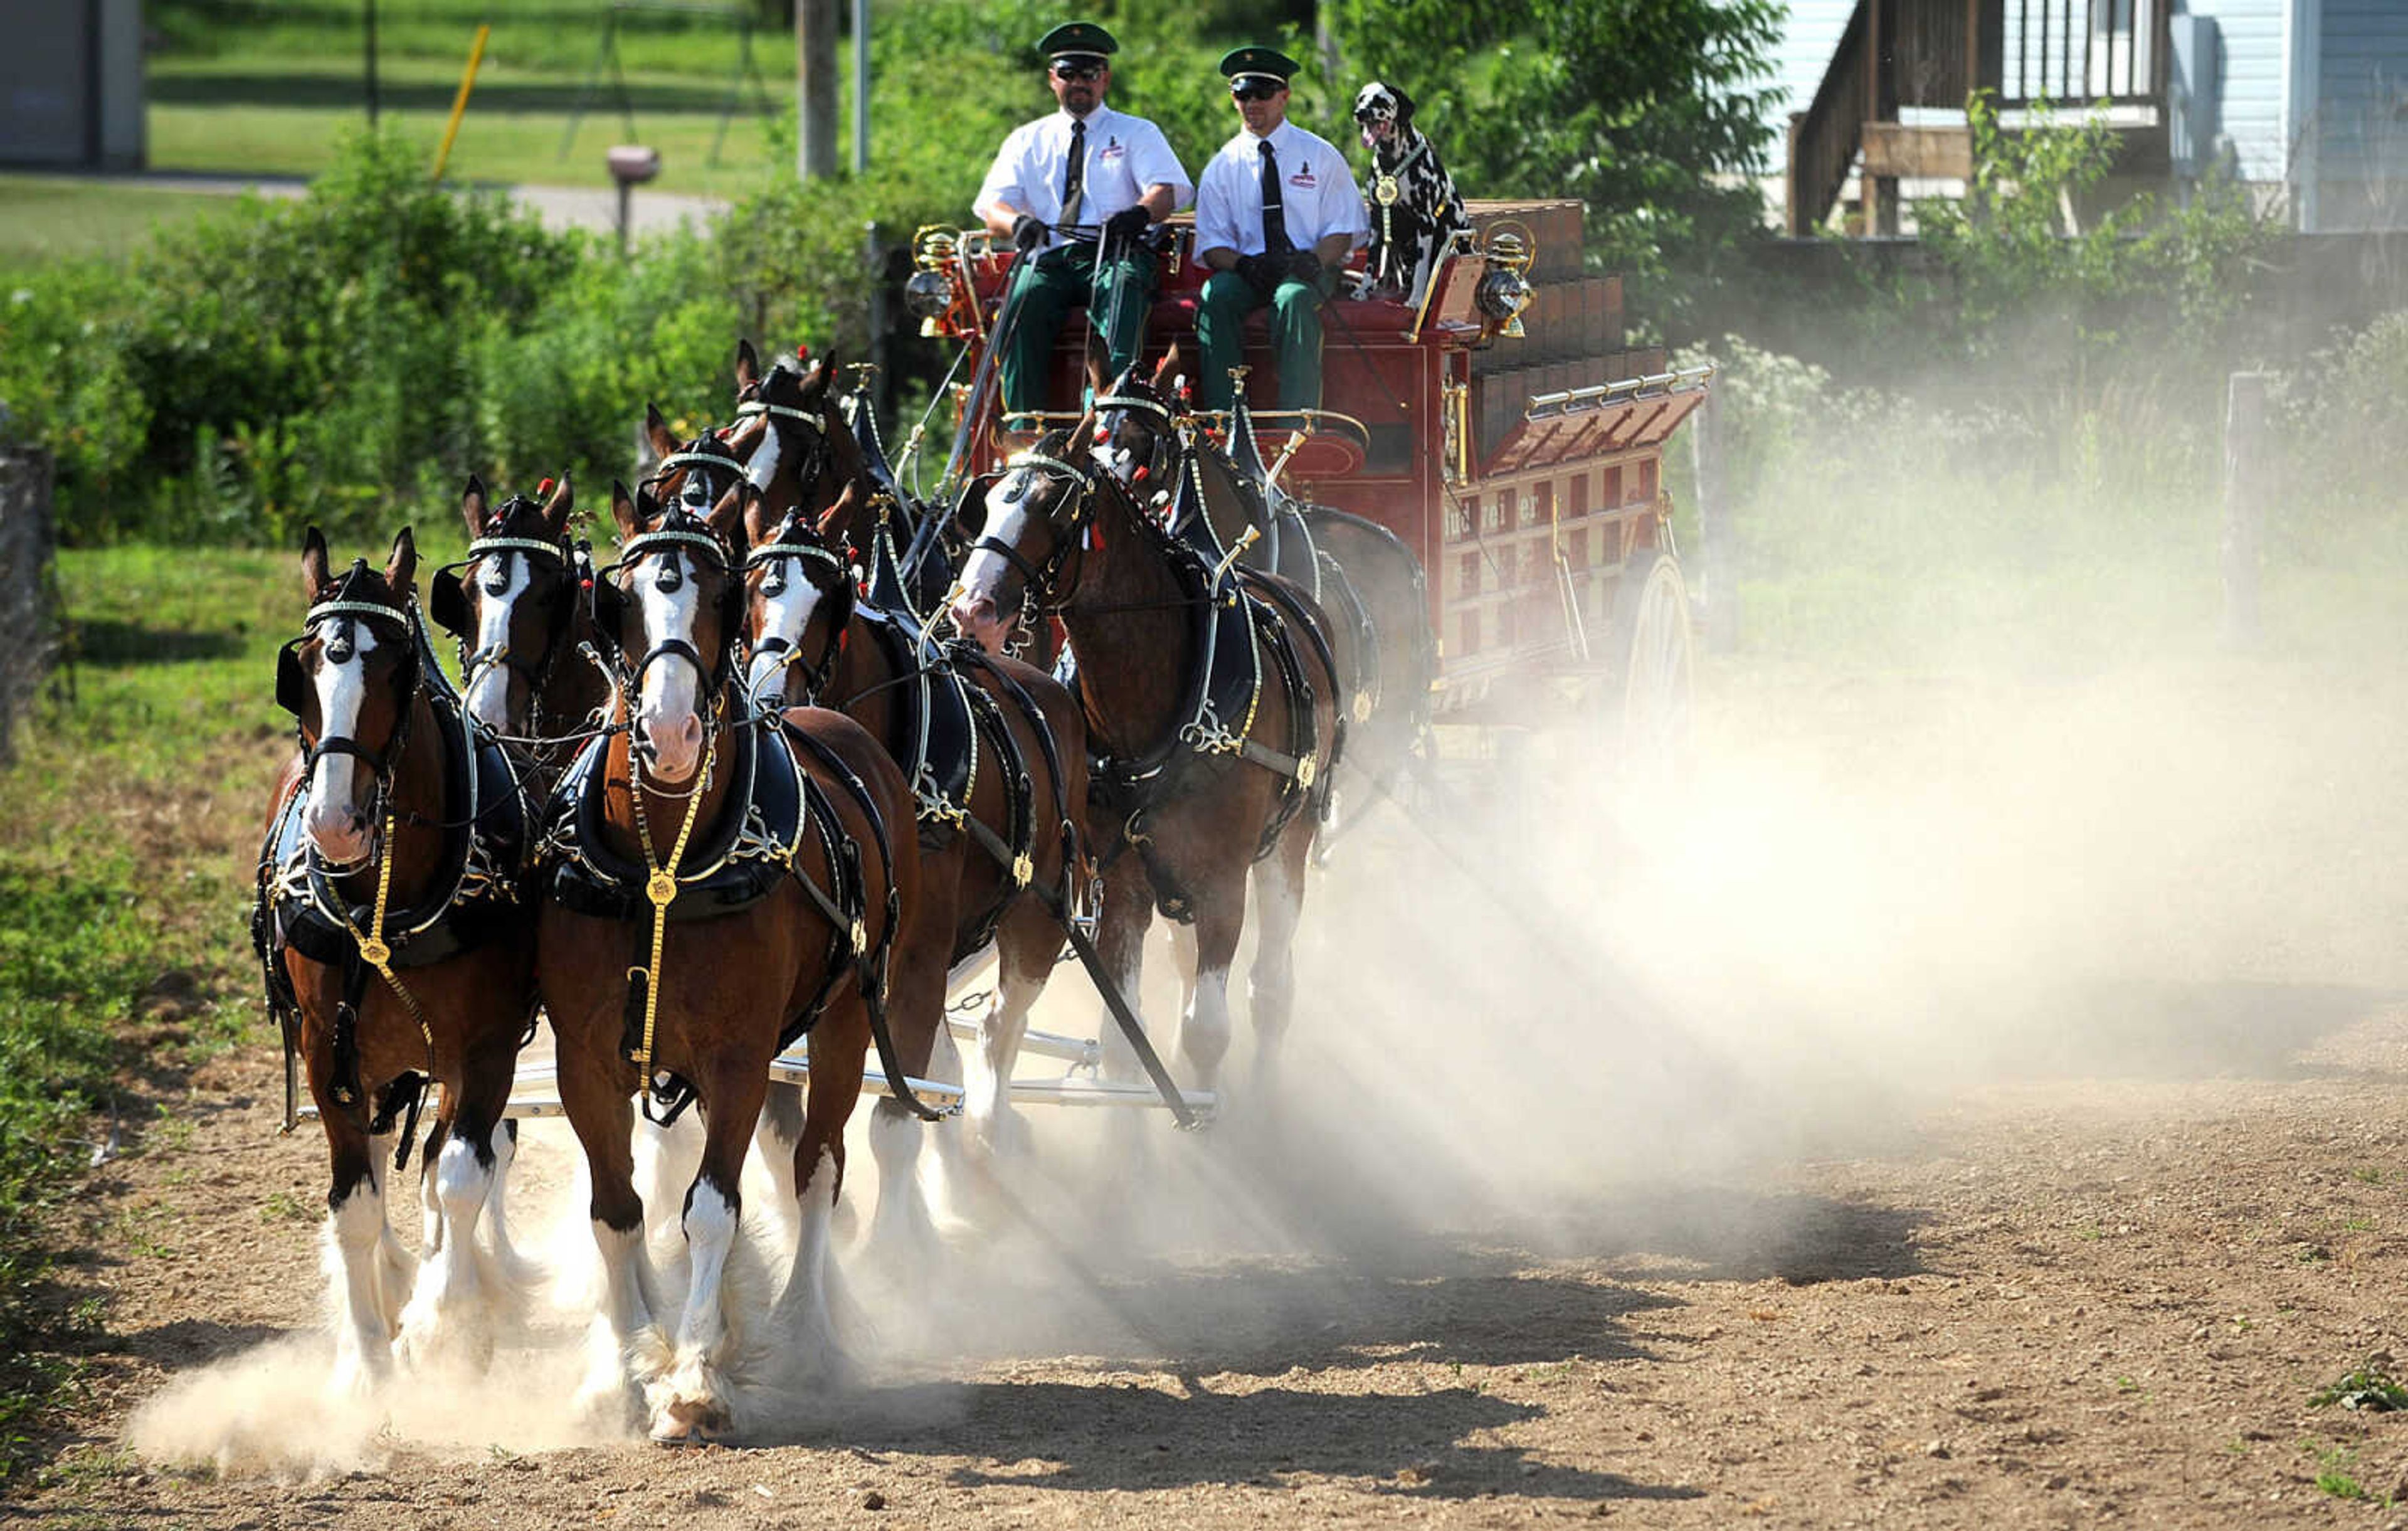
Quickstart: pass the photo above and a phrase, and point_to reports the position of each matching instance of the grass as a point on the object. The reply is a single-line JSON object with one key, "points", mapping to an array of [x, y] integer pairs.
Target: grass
{"points": [[283, 118], [124, 884], [44, 218]]}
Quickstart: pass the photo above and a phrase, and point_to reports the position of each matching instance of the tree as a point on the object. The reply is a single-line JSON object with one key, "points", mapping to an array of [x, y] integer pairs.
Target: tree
{"points": [[1653, 112]]}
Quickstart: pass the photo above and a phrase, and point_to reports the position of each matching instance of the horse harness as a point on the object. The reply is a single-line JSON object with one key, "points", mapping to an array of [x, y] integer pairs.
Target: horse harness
{"points": [[753, 846], [299, 907], [1237, 622], [937, 725]]}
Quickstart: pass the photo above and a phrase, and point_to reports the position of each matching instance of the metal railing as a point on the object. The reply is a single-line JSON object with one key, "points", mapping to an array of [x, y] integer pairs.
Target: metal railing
{"points": [[1935, 53]]}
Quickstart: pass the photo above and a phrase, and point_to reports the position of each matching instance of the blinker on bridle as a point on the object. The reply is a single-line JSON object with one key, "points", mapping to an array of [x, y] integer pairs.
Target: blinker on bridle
{"points": [[292, 682]]}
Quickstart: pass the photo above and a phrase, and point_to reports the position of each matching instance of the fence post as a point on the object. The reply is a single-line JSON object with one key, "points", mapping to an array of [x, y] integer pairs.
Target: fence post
{"points": [[28, 624], [2244, 504], [1717, 563]]}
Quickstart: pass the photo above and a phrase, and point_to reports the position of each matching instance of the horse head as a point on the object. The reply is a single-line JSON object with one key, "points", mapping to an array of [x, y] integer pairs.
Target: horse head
{"points": [[512, 604], [795, 448], [351, 680], [1026, 532], [796, 578], [673, 604], [1140, 422]]}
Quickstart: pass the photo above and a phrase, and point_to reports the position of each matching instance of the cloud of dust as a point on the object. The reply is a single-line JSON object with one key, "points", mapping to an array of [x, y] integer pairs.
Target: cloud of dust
{"points": [[1542, 1011]]}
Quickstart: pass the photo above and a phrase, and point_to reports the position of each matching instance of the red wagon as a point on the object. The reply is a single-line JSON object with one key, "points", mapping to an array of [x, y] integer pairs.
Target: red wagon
{"points": [[1502, 429]]}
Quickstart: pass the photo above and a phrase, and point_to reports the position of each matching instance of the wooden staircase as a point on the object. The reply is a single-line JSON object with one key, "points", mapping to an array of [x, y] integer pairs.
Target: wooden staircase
{"points": [[1898, 54]]}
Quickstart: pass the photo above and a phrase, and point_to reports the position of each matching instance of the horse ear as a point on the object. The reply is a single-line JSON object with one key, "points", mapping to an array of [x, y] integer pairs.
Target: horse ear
{"points": [[729, 517], [401, 568], [448, 603], [314, 574], [1099, 359], [748, 364], [1167, 369], [840, 513], [815, 381], [622, 511], [656, 432], [556, 510], [472, 506], [756, 518]]}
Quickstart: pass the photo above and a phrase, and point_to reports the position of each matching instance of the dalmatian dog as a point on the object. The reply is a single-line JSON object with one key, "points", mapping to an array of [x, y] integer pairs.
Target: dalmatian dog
{"points": [[1413, 201]]}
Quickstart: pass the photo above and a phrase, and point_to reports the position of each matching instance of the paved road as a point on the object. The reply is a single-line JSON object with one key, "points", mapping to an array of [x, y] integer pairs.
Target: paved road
{"points": [[562, 206]]}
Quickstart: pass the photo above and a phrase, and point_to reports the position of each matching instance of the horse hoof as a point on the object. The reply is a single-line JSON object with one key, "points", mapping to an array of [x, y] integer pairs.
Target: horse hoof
{"points": [[688, 1422]]}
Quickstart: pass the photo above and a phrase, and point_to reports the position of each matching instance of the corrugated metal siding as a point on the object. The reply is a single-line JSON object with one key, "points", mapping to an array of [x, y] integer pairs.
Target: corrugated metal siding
{"points": [[2252, 111], [2362, 116]]}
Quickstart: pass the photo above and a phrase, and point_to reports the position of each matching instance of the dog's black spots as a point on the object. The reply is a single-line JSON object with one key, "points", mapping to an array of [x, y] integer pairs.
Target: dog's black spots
{"points": [[1415, 208]]}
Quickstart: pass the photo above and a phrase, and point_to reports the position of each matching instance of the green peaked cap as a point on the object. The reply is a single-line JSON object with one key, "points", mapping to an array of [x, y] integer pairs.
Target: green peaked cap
{"points": [[1258, 61], [1077, 38]]}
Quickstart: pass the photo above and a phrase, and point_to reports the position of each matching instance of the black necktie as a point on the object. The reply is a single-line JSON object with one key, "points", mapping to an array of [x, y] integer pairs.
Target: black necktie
{"points": [[1074, 178], [1274, 220]]}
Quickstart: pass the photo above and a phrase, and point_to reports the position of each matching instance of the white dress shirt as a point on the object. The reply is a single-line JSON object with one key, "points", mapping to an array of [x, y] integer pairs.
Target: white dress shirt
{"points": [[1124, 155], [1317, 194]]}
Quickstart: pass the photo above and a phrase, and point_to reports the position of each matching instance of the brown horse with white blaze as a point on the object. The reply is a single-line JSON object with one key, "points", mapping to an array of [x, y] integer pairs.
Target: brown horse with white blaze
{"points": [[395, 940], [787, 932], [1214, 716], [515, 605]]}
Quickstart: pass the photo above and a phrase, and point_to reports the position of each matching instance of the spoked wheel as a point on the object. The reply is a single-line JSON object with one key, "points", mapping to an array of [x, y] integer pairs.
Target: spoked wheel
{"points": [[1651, 654]]}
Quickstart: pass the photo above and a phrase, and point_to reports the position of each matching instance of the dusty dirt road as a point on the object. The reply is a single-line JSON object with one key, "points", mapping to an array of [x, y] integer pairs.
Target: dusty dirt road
{"points": [[1906, 1249]]}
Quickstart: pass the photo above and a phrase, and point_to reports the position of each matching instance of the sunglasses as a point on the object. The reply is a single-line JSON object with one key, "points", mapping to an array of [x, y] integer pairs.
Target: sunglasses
{"points": [[1254, 90], [1078, 71]]}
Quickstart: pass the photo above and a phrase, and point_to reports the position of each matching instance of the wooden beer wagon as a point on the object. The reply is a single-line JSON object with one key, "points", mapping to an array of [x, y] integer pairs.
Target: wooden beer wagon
{"points": [[1502, 429]]}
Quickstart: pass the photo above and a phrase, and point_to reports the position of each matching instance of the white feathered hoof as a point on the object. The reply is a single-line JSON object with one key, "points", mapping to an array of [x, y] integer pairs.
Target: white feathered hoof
{"points": [[689, 1408], [458, 1336]]}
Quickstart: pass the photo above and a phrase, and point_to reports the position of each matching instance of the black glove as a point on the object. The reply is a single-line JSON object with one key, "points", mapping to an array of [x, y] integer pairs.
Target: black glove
{"points": [[1304, 265], [1260, 272], [1127, 226], [1027, 232]]}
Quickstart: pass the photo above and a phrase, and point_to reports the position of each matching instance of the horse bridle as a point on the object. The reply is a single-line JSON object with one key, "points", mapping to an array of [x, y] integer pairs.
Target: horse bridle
{"points": [[770, 555], [344, 608], [773, 413], [1166, 441], [536, 677], [680, 528], [1038, 581]]}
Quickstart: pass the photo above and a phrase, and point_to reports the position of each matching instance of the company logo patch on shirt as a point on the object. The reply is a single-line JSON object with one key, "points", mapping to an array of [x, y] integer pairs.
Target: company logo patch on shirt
{"points": [[1303, 177], [1111, 151]]}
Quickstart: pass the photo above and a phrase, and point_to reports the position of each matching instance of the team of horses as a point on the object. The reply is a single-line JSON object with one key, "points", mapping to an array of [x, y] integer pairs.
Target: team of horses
{"points": [[771, 777]]}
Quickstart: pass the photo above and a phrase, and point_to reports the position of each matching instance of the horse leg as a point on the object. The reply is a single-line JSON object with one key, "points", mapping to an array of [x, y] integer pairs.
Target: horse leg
{"points": [[774, 1141], [1204, 1025], [1026, 946], [1270, 984], [624, 1346], [1120, 942], [358, 1273], [462, 1293], [521, 1273], [806, 1312], [902, 1238], [691, 1402]]}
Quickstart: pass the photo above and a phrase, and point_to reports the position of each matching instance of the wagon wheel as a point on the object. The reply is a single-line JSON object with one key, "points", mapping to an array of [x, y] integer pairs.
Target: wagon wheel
{"points": [[1651, 660]]}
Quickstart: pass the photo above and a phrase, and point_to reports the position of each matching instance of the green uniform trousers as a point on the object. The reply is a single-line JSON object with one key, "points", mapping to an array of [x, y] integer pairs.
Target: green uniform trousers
{"points": [[1295, 335], [1046, 288]]}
